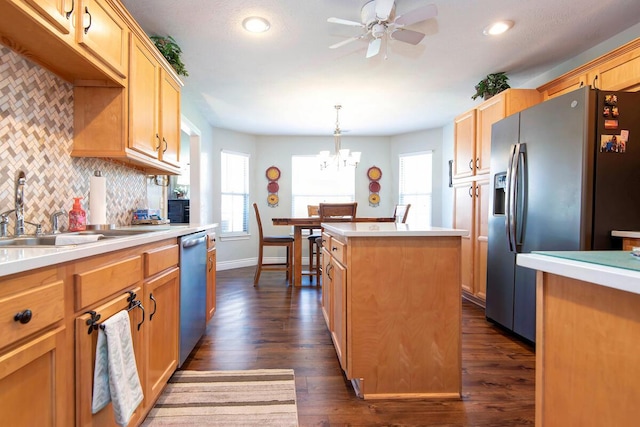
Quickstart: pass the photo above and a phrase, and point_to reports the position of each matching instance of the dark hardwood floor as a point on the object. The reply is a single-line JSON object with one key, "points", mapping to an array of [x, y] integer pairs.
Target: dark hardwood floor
{"points": [[277, 326]]}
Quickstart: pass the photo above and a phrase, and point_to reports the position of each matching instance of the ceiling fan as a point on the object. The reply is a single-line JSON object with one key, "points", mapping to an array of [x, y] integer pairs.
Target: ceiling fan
{"points": [[379, 19]]}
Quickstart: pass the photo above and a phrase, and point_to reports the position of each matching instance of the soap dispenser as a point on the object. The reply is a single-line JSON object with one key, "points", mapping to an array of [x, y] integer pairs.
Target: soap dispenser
{"points": [[77, 216]]}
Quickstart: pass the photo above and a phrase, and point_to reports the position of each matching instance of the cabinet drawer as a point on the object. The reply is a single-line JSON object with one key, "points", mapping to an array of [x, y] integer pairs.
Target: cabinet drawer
{"points": [[338, 251], [326, 241], [94, 285], [160, 259], [45, 304]]}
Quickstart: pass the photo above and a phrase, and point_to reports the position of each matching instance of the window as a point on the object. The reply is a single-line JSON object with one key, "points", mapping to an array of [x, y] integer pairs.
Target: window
{"points": [[415, 187], [312, 186], [235, 193]]}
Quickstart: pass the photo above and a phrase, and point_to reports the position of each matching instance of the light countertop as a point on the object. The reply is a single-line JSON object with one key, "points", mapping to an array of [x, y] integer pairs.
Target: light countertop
{"points": [[629, 234], [388, 229], [613, 269], [16, 260]]}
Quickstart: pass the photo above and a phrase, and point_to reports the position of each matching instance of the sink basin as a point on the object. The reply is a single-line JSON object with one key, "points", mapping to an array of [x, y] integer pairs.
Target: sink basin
{"points": [[110, 232], [50, 239]]}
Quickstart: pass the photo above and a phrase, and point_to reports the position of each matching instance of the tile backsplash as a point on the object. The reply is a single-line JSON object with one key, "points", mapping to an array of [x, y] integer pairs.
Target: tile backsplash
{"points": [[36, 136]]}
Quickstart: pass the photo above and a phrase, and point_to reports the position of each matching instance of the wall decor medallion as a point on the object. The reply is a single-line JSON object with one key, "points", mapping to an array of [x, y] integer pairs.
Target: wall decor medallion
{"points": [[273, 175], [374, 174]]}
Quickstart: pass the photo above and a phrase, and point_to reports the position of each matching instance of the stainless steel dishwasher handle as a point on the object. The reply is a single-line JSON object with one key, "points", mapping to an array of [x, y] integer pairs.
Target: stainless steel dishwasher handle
{"points": [[193, 242]]}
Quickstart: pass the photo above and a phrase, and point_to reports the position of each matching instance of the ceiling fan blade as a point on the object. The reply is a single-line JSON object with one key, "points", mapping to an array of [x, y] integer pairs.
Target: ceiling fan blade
{"points": [[407, 36], [374, 47], [345, 22], [417, 15], [383, 9], [343, 42]]}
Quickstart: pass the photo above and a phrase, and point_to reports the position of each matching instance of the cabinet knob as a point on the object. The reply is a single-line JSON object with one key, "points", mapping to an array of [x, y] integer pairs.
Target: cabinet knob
{"points": [[23, 317]]}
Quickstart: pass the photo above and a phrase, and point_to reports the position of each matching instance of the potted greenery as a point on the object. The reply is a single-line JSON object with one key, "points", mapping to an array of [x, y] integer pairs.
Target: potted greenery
{"points": [[491, 85], [171, 51]]}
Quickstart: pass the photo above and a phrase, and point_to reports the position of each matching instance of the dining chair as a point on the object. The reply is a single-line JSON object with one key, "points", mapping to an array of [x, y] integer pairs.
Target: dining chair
{"points": [[332, 211], [401, 212], [265, 241], [314, 250]]}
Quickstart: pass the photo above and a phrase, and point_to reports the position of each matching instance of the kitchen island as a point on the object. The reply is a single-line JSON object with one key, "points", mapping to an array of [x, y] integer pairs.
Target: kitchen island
{"points": [[587, 324], [391, 299]]}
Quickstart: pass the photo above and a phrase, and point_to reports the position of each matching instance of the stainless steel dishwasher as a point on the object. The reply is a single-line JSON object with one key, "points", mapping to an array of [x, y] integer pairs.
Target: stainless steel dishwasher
{"points": [[193, 291]]}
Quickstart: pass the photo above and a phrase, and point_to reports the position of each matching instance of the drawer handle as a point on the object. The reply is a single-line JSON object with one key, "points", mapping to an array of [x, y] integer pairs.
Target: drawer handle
{"points": [[335, 248], [23, 317]]}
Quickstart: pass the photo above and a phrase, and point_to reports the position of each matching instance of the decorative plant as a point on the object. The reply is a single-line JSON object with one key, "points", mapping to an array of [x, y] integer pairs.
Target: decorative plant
{"points": [[171, 51], [491, 85]]}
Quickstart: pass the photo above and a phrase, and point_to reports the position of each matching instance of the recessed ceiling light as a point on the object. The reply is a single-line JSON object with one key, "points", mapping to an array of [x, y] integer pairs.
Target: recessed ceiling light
{"points": [[256, 24], [497, 28]]}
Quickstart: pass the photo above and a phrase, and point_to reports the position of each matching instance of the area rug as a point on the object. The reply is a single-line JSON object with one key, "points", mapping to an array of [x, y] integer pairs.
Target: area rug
{"points": [[262, 397]]}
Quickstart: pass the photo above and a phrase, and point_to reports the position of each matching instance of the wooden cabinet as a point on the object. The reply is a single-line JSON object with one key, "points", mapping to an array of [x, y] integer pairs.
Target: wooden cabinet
{"points": [[629, 243], [616, 70], [33, 356], [471, 212], [56, 12], [392, 306], [211, 275], [472, 129], [102, 31], [154, 106]]}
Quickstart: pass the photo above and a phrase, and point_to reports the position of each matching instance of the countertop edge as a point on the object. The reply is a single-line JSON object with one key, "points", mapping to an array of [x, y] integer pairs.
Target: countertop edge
{"points": [[345, 229], [623, 233], [611, 277], [19, 260]]}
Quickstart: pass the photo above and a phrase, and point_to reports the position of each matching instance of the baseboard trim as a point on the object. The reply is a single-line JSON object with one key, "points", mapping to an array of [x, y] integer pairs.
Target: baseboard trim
{"points": [[247, 262]]}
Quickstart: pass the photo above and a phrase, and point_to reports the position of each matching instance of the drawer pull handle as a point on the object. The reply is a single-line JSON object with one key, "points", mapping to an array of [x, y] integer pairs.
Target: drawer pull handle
{"points": [[86, 24], [335, 248], [23, 317]]}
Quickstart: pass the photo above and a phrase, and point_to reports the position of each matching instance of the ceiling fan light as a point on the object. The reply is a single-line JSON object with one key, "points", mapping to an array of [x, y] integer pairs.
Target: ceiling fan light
{"points": [[256, 24], [497, 28]]}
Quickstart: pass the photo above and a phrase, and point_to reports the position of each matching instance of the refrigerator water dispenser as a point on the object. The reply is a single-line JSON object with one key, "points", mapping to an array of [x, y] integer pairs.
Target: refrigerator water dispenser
{"points": [[499, 193]]}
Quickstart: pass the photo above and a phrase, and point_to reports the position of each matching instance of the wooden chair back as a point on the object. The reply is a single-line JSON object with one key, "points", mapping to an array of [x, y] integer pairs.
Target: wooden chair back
{"points": [[401, 212], [255, 207], [345, 211], [313, 210]]}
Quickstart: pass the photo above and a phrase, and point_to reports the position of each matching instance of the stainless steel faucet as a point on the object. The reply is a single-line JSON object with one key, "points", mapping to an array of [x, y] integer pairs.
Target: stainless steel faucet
{"points": [[4, 222], [19, 198]]}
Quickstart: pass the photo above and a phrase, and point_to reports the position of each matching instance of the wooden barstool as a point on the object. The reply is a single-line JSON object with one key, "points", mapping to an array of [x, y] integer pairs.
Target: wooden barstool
{"points": [[286, 241]]}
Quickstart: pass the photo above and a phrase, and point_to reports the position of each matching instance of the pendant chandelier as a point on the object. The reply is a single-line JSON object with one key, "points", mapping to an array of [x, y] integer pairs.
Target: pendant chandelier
{"points": [[341, 157]]}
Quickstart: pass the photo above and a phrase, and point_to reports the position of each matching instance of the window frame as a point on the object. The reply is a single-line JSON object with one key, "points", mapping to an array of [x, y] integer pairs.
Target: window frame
{"points": [[417, 210], [246, 194]]}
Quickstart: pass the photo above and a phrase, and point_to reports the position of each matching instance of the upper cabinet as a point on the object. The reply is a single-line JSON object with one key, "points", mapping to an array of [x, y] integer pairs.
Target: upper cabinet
{"points": [[56, 12], [103, 33], [617, 70], [472, 130]]}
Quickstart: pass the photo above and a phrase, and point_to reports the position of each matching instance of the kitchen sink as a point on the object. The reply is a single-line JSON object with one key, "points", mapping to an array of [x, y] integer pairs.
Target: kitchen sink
{"points": [[50, 239]]}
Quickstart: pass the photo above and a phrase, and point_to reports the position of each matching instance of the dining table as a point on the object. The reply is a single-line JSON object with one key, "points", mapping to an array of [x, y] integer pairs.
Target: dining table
{"points": [[313, 223]]}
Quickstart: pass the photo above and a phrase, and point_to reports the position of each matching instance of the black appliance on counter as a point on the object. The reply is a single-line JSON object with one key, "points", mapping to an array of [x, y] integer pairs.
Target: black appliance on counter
{"points": [[564, 174], [178, 211]]}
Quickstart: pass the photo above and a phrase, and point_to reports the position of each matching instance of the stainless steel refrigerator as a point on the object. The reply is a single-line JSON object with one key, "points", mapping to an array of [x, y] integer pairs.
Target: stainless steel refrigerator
{"points": [[564, 174]]}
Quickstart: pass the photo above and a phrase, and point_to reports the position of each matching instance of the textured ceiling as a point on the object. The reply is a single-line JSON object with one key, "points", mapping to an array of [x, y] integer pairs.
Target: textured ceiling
{"points": [[286, 81]]}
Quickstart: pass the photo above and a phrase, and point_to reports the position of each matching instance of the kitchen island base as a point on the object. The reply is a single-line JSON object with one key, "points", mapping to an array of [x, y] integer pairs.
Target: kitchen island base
{"points": [[393, 306]]}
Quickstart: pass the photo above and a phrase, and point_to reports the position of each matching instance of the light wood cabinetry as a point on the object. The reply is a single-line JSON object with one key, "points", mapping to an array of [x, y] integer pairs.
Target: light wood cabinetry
{"points": [[629, 243], [56, 12], [472, 159], [616, 70], [33, 355], [102, 32], [393, 307], [161, 296], [211, 275], [472, 130], [471, 212]]}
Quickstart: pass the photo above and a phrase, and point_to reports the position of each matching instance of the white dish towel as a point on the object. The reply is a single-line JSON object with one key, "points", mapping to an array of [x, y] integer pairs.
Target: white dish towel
{"points": [[115, 378], [76, 239]]}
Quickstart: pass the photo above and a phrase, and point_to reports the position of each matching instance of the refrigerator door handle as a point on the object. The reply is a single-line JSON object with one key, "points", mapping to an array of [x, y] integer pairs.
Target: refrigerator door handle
{"points": [[517, 194], [510, 196]]}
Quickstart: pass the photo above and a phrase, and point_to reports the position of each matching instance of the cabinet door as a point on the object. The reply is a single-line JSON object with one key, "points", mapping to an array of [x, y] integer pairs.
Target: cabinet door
{"points": [[86, 357], [33, 383], [161, 295], [339, 311], [463, 219], [464, 145], [170, 119], [211, 283], [565, 86], [101, 30], [55, 12], [488, 113], [622, 73], [143, 100], [482, 189], [327, 287]]}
